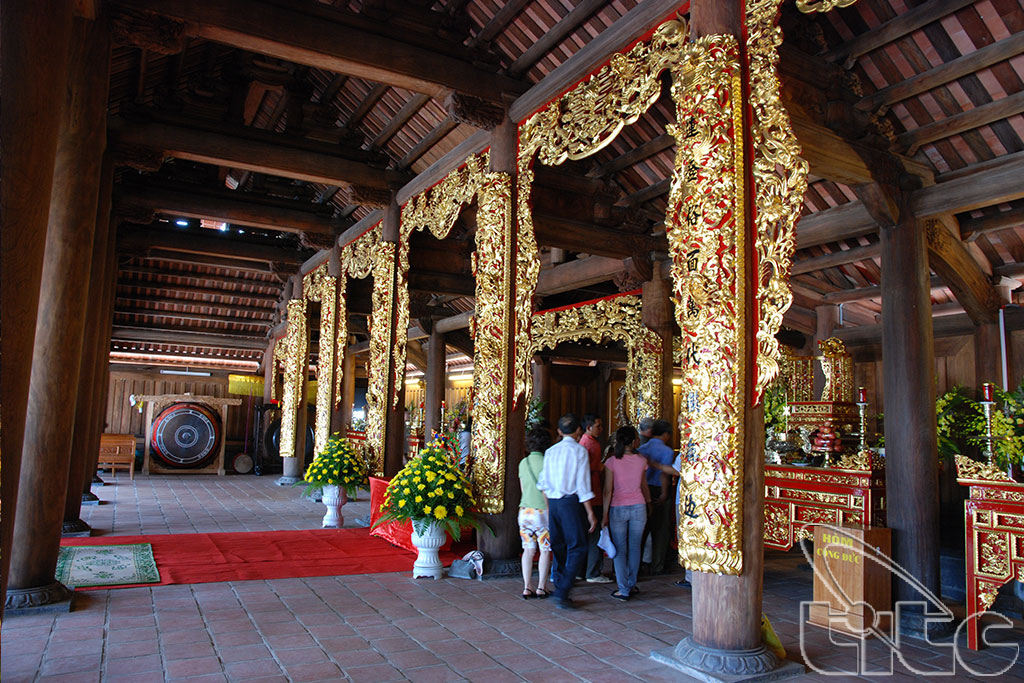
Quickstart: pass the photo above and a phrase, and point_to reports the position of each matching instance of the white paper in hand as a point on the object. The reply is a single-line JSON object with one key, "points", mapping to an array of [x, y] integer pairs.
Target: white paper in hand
{"points": [[605, 543]]}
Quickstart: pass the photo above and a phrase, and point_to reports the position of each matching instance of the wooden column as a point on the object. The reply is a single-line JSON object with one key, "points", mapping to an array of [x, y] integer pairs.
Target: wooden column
{"points": [[348, 388], [657, 315], [911, 472], [988, 365], [85, 438], [34, 63], [436, 356], [827, 323], [103, 360], [394, 432], [542, 384], [502, 549], [57, 354], [727, 609]]}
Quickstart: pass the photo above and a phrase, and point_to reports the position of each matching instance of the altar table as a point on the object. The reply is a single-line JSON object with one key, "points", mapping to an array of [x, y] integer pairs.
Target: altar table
{"points": [[994, 529], [851, 493]]}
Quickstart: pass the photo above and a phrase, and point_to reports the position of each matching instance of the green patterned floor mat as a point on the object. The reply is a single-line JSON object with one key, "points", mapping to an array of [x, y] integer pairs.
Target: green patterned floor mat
{"points": [[107, 565]]}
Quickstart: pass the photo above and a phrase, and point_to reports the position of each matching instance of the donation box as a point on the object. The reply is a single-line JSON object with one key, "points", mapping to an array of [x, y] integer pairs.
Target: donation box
{"points": [[852, 578]]}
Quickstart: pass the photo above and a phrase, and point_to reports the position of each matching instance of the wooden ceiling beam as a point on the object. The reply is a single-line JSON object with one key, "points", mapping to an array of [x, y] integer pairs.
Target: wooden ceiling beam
{"points": [[973, 228], [196, 303], [230, 207], [202, 277], [141, 239], [280, 273], [944, 73], [189, 338], [408, 110], [987, 186], [311, 38], [634, 156], [564, 233], [860, 294], [982, 115], [836, 258], [895, 28], [186, 315], [270, 153], [196, 289]]}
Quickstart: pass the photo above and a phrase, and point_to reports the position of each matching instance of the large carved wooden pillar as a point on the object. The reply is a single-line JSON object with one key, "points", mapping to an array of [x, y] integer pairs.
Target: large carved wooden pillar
{"points": [[502, 548], [394, 407], [57, 353], [436, 356], [657, 315], [85, 438], [726, 641], [34, 68], [911, 472]]}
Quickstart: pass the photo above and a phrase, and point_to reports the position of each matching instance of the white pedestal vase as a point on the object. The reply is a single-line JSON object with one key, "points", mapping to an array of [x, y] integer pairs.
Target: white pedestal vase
{"points": [[428, 537], [333, 497]]}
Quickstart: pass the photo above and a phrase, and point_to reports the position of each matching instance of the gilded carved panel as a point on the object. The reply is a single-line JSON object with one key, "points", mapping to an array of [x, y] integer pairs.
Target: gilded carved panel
{"points": [[498, 271], [321, 287], [292, 353], [616, 319]]}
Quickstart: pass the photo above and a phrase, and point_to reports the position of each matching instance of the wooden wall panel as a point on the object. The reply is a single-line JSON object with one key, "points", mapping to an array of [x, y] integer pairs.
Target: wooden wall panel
{"points": [[122, 418]]}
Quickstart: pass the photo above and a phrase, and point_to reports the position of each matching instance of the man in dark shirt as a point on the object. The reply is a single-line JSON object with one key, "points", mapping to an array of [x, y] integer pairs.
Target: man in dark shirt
{"points": [[660, 521]]}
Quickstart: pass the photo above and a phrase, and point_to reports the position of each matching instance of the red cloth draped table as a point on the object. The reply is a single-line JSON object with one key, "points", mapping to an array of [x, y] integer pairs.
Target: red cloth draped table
{"points": [[399, 534]]}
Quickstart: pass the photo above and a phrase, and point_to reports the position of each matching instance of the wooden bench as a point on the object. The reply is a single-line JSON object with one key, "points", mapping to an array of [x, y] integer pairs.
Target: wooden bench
{"points": [[117, 451]]}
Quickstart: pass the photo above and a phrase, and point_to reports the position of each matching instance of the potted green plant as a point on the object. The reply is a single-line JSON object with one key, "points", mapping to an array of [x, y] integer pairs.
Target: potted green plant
{"points": [[432, 492], [339, 470]]}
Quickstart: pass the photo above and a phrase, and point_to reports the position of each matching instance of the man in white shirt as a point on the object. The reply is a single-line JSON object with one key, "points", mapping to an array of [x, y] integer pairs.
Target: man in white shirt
{"points": [[565, 480]]}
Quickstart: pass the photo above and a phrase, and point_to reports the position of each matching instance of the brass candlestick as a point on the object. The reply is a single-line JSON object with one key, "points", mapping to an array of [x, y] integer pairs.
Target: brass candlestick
{"points": [[862, 406], [988, 452]]}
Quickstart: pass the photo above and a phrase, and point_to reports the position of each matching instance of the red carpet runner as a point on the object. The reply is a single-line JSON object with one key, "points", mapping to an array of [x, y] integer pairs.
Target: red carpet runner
{"points": [[246, 556]]}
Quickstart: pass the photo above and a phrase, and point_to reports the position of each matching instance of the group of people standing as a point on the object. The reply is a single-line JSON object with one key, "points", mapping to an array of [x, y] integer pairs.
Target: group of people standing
{"points": [[572, 490]]}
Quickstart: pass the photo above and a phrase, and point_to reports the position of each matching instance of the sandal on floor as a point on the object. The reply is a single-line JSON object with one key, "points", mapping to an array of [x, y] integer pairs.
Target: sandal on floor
{"points": [[619, 596], [541, 593], [528, 593]]}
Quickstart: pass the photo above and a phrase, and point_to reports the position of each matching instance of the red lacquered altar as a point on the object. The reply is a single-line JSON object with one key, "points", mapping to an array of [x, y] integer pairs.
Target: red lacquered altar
{"points": [[853, 492], [994, 528]]}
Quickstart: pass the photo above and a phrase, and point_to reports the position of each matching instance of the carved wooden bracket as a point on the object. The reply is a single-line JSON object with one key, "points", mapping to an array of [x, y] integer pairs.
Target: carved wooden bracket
{"points": [[368, 196], [144, 159], [474, 111], [951, 261], [148, 31]]}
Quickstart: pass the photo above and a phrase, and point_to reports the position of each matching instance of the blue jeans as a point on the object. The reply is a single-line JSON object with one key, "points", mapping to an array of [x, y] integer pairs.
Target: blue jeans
{"points": [[568, 528], [626, 525]]}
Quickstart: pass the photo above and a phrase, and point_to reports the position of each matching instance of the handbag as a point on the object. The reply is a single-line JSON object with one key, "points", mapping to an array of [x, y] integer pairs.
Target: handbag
{"points": [[604, 542]]}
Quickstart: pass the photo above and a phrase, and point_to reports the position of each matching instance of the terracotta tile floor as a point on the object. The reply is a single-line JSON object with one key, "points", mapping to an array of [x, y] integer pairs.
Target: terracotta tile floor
{"points": [[380, 627]]}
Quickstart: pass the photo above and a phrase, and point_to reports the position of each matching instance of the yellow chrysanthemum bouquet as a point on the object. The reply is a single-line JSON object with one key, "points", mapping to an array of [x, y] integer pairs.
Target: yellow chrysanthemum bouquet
{"points": [[339, 463], [431, 488]]}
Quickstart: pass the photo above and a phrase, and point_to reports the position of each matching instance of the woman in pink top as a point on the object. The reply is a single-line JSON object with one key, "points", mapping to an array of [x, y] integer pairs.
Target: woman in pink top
{"points": [[626, 499]]}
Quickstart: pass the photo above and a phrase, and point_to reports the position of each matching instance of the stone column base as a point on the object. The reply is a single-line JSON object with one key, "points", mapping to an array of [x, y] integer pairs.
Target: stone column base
{"points": [[75, 528], [287, 481], [502, 569], [55, 597], [96, 481], [726, 666], [90, 499]]}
